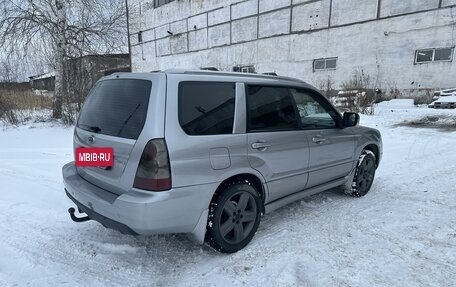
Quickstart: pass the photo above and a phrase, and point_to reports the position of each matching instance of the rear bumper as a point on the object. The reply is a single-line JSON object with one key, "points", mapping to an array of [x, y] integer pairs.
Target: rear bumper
{"points": [[178, 210], [106, 222]]}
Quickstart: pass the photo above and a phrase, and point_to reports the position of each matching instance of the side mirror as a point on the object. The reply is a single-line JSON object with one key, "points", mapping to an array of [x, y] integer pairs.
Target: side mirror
{"points": [[350, 119]]}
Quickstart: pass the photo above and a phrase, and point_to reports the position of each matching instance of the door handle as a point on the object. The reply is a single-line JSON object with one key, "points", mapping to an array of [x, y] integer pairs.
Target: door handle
{"points": [[318, 139], [260, 145]]}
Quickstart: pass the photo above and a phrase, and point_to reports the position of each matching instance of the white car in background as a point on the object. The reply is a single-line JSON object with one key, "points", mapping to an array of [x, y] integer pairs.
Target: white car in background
{"points": [[444, 99]]}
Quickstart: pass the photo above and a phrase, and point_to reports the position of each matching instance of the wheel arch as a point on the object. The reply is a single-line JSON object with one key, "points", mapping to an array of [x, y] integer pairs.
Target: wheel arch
{"points": [[248, 178], [375, 149]]}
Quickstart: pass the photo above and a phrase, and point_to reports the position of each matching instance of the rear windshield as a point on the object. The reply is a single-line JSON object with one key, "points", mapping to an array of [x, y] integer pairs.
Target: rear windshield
{"points": [[116, 108]]}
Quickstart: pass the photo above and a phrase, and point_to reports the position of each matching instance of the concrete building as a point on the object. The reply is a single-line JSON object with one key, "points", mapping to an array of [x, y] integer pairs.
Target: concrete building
{"points": [[404, 44]]}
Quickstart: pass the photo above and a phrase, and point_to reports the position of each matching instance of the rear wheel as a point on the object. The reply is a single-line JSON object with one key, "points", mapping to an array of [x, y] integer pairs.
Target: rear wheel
{"points": [[234, 217], [364, 175]]}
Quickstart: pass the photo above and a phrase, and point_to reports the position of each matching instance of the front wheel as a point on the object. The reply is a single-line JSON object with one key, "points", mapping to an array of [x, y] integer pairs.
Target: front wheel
{"points": [[364, 175], [234, 217]]}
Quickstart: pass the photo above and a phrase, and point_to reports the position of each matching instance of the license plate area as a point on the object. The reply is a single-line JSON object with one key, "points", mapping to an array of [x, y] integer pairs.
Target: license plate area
{"points": [[101, 157]]}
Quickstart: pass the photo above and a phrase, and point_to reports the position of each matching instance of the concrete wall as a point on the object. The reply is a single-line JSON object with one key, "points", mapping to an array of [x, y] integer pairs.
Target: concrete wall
{"points": [[379, 37]]}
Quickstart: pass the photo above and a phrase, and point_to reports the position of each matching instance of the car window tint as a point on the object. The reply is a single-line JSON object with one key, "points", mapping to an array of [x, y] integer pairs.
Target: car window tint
{"points": [[270, 109], [206, 108], [116, 108], [315, 113]]}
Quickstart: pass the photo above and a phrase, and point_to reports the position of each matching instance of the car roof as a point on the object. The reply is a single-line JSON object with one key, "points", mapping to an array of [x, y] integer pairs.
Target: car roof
{"points": [[224, 73], [266, 77], [239, 75]]}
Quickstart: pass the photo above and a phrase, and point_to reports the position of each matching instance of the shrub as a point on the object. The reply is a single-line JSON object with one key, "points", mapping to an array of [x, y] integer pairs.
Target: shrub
{"points": [[361, 96], [18, 105], [394, 93], [423, 99], [327, 88], [7, 109]]}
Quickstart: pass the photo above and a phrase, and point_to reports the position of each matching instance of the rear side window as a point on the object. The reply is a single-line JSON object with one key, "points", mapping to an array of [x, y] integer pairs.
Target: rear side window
{"points": [[116, 108], [270, 109], [206, 108]]}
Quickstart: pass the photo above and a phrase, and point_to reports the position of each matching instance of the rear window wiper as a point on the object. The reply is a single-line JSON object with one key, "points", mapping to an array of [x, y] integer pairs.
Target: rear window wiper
{"points": [[94, 129], [128, 119]]}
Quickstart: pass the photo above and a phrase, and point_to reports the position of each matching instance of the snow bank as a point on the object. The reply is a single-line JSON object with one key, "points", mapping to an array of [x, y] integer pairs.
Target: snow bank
{"points": [[397, 103], [447, 99]]}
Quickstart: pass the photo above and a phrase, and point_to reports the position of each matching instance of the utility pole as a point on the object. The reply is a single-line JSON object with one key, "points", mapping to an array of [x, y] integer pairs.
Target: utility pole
{"points": [[128, 33]]}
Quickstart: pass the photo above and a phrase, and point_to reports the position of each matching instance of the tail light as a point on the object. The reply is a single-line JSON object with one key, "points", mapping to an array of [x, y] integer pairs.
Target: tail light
{"points": [[154, 172]]}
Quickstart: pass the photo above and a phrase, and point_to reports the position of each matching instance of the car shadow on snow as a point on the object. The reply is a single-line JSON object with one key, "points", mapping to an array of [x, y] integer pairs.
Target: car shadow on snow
{"points": [[104, 240], [169, 257]]}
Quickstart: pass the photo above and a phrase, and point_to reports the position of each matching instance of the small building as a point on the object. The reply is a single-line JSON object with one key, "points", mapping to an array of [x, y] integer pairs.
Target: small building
{"points": [[43, 84], [81, 74]]}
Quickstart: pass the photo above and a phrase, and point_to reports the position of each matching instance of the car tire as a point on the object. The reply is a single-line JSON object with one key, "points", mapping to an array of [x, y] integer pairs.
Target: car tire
{"points": [[234, 217], [363, 176]]}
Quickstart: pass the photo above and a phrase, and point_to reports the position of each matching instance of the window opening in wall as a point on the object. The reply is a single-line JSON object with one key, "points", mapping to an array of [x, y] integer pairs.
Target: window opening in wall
{"points": [[140, 39], [434, 55], [325, 64], [158, 3]]}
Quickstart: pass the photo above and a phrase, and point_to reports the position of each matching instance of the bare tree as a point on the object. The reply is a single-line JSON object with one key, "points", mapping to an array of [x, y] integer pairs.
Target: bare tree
{"points": [[6, 72], [56, 30], [60, 51], [327, 87], [359, 92]]}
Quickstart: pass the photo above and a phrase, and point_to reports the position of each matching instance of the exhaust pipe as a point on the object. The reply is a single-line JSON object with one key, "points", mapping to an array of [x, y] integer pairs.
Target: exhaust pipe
{"points": [[77, 219]]}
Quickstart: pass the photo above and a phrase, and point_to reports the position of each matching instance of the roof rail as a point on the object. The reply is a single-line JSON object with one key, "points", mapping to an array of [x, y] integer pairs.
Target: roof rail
{"points": [[270, 73], [209, 68]]}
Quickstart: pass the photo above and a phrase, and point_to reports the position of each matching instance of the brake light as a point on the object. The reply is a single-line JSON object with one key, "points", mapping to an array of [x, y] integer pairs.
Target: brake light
{"points": [[153, 171]]}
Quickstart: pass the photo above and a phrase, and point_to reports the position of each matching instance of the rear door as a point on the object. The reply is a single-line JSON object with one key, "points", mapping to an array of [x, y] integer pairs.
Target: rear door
{"points": [[331, 147], [114, 115], [200, 130], [277, 148]]}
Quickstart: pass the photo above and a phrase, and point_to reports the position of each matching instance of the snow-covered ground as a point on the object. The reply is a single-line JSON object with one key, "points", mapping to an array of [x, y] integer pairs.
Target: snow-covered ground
{"points": [[403, 233]]}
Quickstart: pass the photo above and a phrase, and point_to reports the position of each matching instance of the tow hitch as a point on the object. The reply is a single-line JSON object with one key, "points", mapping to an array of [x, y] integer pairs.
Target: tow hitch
{"points": [[77, 219]]}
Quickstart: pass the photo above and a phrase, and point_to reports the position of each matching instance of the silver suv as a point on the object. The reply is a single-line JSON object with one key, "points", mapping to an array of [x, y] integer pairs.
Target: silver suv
{"points": [[208, 153]]}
